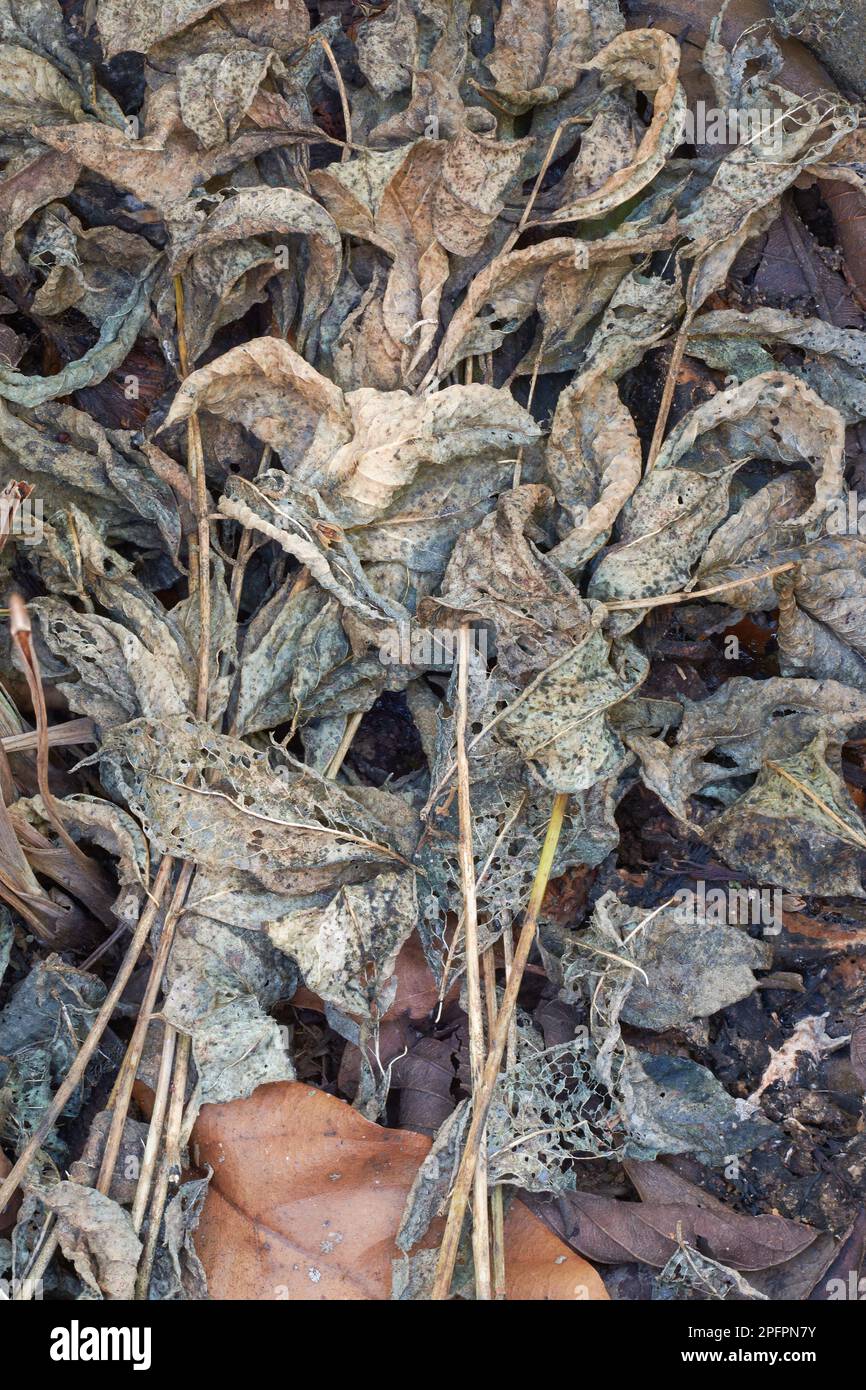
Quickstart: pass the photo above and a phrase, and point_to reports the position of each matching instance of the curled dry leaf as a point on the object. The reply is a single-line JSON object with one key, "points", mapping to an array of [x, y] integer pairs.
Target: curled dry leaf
{"points": [[216, 90], [594, 457], [96, 1236], [379, 460], [32, 91], [650, 60], [283, 212], [742, 199], [443, 196], [29, 184], [797, 825], [672, 516], [166, 162], [540, 46], [117, 334], [140, 26]]}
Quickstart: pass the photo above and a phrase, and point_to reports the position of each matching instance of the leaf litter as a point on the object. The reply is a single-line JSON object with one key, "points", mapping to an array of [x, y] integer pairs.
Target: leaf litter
{"points": [[433, 704]]}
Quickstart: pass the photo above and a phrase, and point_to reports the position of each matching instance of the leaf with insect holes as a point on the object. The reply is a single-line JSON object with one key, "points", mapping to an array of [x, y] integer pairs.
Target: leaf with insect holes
{"points": [[649, 59], [347, 951], [257, 211], [796, 826], [671, 518], [540, 47]]}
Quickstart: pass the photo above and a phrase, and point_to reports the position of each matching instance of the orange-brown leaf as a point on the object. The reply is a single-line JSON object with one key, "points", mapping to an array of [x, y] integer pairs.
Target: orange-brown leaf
{"points": [[539, 1266], [306, 1196]]}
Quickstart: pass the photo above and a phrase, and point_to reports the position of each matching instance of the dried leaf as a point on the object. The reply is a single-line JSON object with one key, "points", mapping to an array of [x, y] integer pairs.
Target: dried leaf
{"points": [[306, 1193], [649, 59], [215, 91], [672, 516], [117, 334], [347, 952], [282, 211], [28, 184], [539, 46], [97, 1236], [387, 49], [797, 825], [166, 162], [538, 1266], [140, 25], [682, 966], [213, 799], [611, 1231]]}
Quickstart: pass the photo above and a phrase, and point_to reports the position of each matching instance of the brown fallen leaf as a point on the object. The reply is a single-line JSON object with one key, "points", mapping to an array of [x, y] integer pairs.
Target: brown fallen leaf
{"points": [[166, 162], [612, 1231], [307, 1196], [539, 1267]]}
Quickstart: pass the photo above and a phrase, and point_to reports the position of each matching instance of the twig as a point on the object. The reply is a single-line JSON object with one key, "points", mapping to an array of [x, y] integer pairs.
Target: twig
{"points": [[139, 1035], [246, 545], [683, 595], [481, 1103], [170, 1166], [530, 202], [480, 1233], [154, 1133], [200, 586], [668, 392], [74, 731], [344, 100], [485, 869], [352, 725], [21, 632], [497, 1198]]}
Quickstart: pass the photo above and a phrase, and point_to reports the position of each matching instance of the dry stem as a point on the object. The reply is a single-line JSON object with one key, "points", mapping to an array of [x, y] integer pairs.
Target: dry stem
{"points": [[481, 1103], [480, 1233]]}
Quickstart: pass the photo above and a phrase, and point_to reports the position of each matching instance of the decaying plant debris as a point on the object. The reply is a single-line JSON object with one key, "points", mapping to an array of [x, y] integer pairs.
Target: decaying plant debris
{"points": [[433, 700]]}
